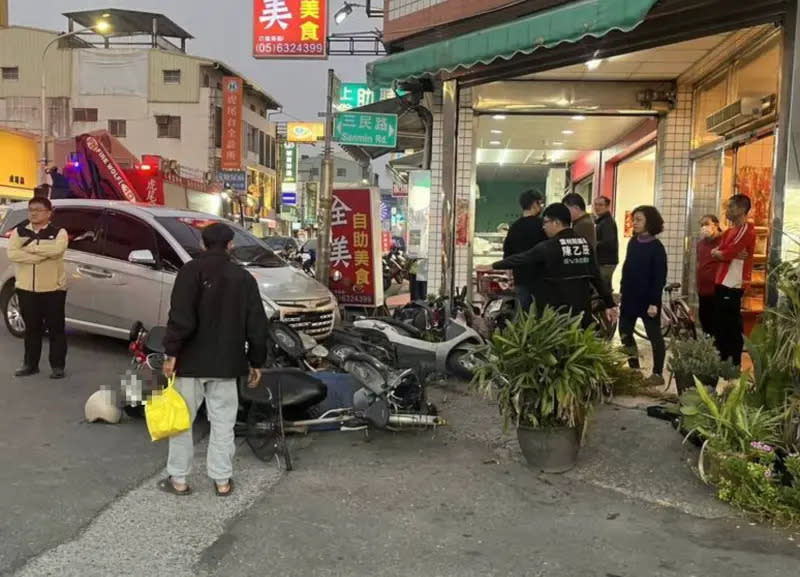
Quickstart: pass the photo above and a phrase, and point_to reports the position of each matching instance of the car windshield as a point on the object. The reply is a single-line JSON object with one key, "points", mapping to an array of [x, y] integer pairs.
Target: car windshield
{"points": [[247, 249], [279, 243]]}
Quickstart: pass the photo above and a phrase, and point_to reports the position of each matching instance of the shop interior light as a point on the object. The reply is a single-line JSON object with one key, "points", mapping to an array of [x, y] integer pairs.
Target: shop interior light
{"points": [[594, 63], [499, 117], [579, 117], [557, 143], [563, 102], [567, 132], [495, 143], [495, 131]]}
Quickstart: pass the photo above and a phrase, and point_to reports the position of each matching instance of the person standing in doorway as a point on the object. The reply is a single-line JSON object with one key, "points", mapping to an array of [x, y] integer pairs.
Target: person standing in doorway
{"points": [[582, 222], [523, 235], [707, 265], [607, 241], [37, 249], [735, 257], [216, 334], [644, 275]]}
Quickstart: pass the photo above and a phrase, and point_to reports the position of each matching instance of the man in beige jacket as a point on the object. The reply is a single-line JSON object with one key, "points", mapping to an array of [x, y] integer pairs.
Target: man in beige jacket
{"points": [[37, 248]]}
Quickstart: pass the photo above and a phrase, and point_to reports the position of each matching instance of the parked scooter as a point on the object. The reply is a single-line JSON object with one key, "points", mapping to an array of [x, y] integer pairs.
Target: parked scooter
{"points": [[395, 268], [451, 355]]}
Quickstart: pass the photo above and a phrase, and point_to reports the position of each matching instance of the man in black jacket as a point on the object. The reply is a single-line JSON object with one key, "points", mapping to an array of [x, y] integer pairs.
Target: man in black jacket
{"points": [[524, 234], [607, 241], [217, 333], [566, 266]]}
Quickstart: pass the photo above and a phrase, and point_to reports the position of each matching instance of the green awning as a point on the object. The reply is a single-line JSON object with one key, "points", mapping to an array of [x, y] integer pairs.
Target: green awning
{"points": [[569, 23]]}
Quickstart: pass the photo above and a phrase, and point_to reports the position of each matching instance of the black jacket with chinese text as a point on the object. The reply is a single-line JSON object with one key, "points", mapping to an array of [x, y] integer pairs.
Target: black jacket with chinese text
{"points": [[568, 270]]}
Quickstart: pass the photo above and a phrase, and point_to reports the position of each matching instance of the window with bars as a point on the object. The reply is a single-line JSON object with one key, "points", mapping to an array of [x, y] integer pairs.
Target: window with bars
{"points": [[118, 128], [172, 76], [341, 172], [169, 126], [10, 73], [84, 115]]}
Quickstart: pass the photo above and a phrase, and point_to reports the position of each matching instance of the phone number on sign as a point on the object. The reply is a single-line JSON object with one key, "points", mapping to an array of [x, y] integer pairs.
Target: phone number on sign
{"points": [[290, 48]]}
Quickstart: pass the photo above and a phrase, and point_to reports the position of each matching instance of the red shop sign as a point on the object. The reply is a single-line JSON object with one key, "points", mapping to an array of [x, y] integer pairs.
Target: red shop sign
{"points": [[356, 247], [233, 95], [290, 29]]}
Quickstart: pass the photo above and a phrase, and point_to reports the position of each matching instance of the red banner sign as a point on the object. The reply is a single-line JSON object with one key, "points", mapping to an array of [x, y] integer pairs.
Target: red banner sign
{"points": [[233, 99], [356, 247], [290, 28]]}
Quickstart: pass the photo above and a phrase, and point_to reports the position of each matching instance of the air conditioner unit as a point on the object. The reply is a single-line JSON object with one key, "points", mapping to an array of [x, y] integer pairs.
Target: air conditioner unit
{"points": [[738, 114]]}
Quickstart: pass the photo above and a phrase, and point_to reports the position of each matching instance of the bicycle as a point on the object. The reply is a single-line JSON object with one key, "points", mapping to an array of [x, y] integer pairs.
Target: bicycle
{"points": [[676, 316]]}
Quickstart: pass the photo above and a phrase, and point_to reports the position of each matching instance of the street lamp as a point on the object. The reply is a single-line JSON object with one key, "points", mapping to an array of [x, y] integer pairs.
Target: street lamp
{"points": [[345, 11], [102, 27]]}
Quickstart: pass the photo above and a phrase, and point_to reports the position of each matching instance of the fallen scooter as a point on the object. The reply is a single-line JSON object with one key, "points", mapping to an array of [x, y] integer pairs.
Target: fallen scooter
{"points": [[293, 399], [452, 355]]}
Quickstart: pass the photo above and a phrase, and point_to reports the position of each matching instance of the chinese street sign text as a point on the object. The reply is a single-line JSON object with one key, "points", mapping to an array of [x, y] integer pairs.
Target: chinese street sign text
{"points": [[233, 95], [289, 162], [233, 179], [355, 95], [290, 28], [366, 129], [356, 247]]}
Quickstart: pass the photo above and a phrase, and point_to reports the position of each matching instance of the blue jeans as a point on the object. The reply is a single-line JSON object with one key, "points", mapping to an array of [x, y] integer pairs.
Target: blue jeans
{"points": [[524, 298]]}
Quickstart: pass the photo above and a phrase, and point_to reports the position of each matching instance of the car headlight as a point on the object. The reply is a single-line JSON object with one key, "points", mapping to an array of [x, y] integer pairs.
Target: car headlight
{"points": [[270, 308]]}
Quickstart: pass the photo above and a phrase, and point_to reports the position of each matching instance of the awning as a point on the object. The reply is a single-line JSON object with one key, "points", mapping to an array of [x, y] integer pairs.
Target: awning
{"points": [[410, 130], [16, 193], [568, 23]]}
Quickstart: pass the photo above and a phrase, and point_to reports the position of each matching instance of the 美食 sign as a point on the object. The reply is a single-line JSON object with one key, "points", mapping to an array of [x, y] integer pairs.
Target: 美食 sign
{"points": [[356, 247], [290, 29]]}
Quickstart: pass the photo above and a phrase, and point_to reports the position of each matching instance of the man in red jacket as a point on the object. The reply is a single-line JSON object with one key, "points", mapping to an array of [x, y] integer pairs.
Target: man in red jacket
{"points": [[735, 255]]}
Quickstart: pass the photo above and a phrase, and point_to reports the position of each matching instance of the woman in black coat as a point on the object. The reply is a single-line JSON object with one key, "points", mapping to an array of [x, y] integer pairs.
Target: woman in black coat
{"points": [[644, 275]]}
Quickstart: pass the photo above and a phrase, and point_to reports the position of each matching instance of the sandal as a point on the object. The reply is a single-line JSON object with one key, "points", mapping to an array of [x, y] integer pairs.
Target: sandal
{"points": [[224, 493], [167, 486]]}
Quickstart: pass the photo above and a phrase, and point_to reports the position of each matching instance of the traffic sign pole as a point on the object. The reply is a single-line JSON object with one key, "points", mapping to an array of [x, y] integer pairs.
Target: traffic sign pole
{"points": [[326, 191]]}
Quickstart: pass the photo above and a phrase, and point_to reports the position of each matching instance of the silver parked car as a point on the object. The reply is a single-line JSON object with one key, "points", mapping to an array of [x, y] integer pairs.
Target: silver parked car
{"points": [[122, 260]]}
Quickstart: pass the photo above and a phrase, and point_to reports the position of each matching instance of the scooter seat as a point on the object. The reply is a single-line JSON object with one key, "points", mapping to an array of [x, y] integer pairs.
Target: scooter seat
{"points": [[298, 390]]}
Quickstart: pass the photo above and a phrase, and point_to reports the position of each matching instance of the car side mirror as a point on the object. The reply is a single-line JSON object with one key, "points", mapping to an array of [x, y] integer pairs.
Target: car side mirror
{"points": [[142, 257]]}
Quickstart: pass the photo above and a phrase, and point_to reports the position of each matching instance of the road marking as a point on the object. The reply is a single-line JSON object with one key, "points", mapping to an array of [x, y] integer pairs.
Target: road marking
{"points": [[148, 532]]}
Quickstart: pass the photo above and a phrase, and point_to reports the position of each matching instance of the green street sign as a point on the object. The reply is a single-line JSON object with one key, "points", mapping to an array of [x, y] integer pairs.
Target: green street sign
{"points": [[369, 129], [355, 95]]}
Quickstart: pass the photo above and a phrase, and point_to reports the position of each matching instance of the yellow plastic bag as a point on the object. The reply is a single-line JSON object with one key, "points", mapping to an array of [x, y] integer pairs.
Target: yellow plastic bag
{"points": [[167, 413]]}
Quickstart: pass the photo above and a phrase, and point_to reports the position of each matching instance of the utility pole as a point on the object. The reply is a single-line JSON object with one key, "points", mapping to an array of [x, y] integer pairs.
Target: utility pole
{"points": [[326, 188]]}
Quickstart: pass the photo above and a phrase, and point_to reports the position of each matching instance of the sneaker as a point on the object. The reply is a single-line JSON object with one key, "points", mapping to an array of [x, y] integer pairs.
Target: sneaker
{"points": [[654, 380], [26, 371], [57, 374]]}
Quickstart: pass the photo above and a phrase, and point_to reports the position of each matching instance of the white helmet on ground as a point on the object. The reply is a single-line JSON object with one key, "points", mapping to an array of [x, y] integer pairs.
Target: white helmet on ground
{"points": [[101, 406]]}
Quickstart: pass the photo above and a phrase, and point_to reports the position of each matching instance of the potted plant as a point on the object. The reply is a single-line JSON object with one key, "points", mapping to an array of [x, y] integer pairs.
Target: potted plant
{"points": [[698, 358], [546, 372]]}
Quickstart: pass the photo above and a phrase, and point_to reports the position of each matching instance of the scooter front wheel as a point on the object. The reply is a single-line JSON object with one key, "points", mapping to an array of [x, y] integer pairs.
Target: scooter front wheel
{"points": [[461, 365]]}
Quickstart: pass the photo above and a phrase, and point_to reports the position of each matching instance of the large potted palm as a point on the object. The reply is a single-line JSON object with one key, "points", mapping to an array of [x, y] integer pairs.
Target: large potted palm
{"points": [[546, 373]]}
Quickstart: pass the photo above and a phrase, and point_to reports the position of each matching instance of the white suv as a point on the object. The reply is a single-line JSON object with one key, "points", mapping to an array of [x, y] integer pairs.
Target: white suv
{"points": [[123, 257]]}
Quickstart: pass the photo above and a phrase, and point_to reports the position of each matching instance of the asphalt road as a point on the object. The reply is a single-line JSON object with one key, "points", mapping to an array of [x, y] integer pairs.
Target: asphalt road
{"points": [[57, 473]]}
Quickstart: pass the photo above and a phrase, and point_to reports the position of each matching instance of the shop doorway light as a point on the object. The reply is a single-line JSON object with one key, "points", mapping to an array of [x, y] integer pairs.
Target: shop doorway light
{"points": [[499, 117], [594, 63]]}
